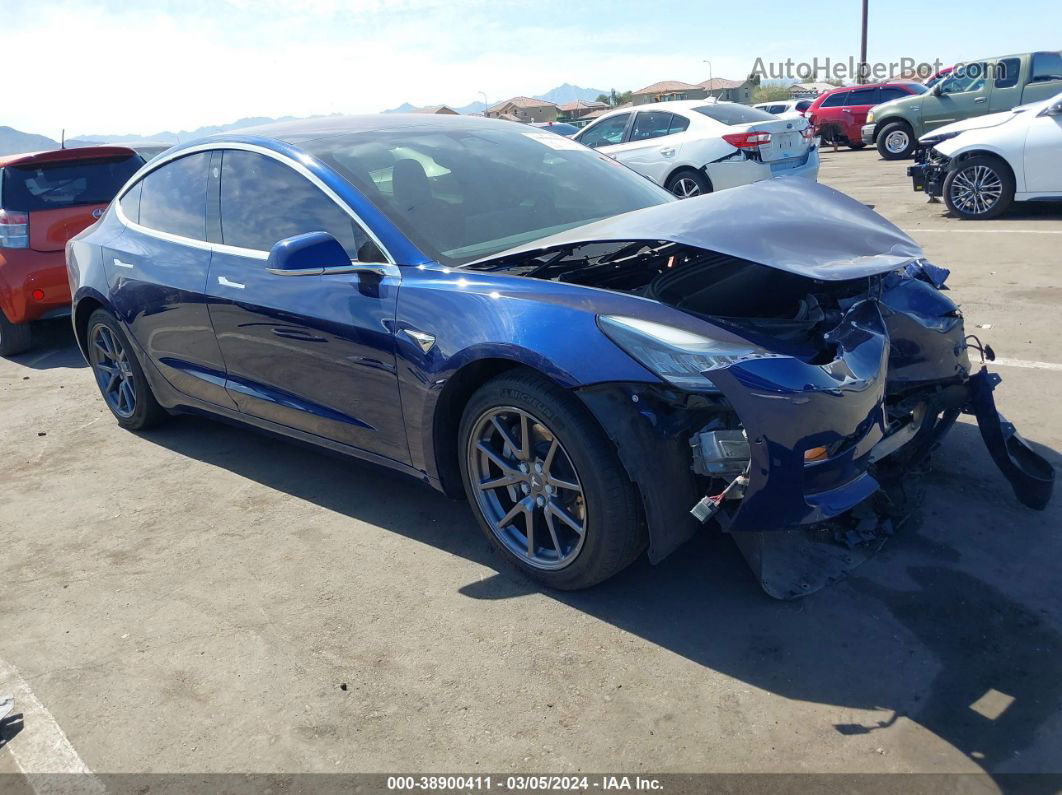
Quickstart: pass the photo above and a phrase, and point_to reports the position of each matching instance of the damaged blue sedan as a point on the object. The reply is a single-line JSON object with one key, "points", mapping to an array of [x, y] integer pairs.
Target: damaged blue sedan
{"points": [[601, 369]]}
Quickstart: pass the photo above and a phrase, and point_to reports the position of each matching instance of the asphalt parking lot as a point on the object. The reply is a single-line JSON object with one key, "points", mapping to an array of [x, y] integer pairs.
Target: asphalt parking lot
{"points": [[203, 599]]}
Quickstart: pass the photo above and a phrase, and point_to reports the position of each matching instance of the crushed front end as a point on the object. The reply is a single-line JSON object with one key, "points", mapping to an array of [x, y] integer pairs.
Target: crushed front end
{"points": [[825, 365], [929, 172], [805, 445]]}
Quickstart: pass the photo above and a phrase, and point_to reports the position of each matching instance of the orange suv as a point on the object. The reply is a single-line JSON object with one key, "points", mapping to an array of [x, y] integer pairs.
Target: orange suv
{"points": [[45, 199]]}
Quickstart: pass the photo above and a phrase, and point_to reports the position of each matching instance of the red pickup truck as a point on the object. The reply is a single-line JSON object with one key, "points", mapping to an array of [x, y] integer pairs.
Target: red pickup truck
{"points": [[45, 199]]}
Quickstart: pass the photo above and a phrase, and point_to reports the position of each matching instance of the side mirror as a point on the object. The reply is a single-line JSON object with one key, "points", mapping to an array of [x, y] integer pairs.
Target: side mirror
{"points": [[307, 255], [1053, 110], [936, 90]]}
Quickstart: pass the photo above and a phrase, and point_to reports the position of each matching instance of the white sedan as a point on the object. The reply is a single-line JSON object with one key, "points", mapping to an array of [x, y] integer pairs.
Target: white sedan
{"points": [[698, 146], [786, 109], [981, 165]]}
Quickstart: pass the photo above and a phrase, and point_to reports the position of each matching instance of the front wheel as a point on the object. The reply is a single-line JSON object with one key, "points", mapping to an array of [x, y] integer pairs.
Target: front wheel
{"points": [[896, 141], [118, 374], [688, 183], [546, 484], [979, 188]]}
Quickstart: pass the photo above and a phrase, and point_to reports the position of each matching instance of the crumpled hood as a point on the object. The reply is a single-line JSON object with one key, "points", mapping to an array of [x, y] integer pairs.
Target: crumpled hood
{"points": [[789, 223]]}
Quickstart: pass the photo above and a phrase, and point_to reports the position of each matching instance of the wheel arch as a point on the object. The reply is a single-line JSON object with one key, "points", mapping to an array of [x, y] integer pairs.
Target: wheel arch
{"points": [[84, 306], [449, 407], [702, 170]]}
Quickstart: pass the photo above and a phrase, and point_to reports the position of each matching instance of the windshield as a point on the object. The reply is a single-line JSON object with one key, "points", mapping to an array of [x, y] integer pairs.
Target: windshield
{"points": [[464, 194], [50, 186]]}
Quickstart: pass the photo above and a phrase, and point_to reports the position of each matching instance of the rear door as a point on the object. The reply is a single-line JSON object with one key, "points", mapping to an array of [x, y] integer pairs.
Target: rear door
{"points": [[1007, 83], [311, 352], [1045, 79], [158, 270], [854, 113], [653, 145], [829, 111]]}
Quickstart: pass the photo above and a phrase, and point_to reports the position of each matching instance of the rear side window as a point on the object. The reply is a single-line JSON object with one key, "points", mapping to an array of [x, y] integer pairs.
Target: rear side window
{"points": [[678, 124], [733, 113], [1007, 72], [834, 100], [264, 201], [889, 93], [650, 124], [863, 96], [52, 186], [173, 197], [1046, 66]]}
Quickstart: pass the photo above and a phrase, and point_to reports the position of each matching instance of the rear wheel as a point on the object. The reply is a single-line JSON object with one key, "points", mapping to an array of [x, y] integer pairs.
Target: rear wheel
{"points": [[980, 188], [546, 483], [896, 141], [14, 337], [687, 183], [118, 374]]}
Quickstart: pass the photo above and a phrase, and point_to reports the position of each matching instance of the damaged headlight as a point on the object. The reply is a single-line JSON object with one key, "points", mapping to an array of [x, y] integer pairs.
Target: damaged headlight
{"points": [[677, 356]]}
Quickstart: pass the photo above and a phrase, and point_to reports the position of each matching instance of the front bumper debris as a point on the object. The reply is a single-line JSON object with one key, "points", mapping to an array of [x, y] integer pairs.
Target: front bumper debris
{"points": [[928, 173]]}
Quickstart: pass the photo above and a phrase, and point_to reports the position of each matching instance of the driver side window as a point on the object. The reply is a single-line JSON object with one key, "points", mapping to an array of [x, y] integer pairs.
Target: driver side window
{"points": [[264, 201], [606, 132], [965, 80]]}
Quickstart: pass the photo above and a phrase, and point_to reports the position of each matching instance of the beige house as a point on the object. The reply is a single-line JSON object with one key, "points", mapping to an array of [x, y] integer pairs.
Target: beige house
{"points": [[728, 90], [444, 110], [667, 90], [810, 89], [524, 109], [579, 109]]}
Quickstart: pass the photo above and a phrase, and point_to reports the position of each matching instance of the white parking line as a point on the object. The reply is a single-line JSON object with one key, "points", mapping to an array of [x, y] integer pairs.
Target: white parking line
{"points": [[966, 231], [1027, 364], [41, 747]]}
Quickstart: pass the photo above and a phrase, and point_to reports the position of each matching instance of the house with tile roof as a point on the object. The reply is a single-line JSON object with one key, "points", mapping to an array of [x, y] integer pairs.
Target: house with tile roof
{"points": [[525, 109]]}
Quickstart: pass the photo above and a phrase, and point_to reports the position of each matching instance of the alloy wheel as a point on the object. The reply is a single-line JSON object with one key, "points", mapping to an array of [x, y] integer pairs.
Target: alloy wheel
{"points": [[110, 364], [526, 487], [685, 187], [897, 141], [976, 190]]}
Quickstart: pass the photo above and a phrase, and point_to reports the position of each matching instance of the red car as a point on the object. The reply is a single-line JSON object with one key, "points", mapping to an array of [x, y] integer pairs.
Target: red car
{"points": [[45, 199], [839, 115]]}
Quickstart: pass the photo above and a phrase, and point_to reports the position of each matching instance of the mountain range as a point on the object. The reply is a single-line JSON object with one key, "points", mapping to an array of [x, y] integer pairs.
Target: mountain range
{"points": [[559, 95], [13, 141]]}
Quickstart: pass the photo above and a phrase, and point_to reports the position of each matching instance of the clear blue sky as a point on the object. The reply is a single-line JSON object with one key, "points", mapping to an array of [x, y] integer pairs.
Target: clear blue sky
{"points": [[117, 66]]}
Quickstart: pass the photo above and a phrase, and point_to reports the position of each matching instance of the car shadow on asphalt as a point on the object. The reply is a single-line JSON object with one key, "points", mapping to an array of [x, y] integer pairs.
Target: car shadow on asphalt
{"points": [[935, 628], [54, 347]]}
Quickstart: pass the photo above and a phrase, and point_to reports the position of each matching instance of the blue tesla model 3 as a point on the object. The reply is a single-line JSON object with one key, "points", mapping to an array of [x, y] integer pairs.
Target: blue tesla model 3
{"points": [[509, 316]]}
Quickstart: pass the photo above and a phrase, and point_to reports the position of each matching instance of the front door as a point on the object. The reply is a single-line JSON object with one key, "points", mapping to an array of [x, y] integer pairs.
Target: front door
{"points": [[310, 352], [157, 272], [1043, 166], [962, 94]]}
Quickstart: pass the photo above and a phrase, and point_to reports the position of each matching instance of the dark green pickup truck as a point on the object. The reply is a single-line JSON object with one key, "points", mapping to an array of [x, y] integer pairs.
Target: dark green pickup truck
{"points": [[986, 85]]}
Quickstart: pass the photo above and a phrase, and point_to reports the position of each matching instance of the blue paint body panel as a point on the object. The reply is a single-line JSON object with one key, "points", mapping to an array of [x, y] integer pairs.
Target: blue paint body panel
{"points": [[324, 358]]}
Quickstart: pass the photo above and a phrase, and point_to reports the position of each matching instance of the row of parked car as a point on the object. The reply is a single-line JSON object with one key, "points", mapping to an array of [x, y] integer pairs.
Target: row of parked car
{"points": [[985, 134]]}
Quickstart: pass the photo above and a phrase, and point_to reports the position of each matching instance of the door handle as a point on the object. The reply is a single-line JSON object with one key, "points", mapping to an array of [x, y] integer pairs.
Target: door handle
{"points": [[979, 99], [119, 264], [667, 151], [224, 282]]}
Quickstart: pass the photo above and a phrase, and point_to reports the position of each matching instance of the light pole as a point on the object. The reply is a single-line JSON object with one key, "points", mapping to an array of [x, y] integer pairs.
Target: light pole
{"points": [[709, 75], [484, 95], [862, 78]]}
